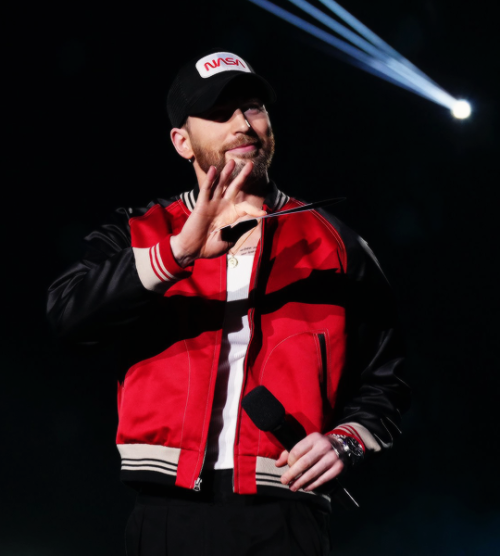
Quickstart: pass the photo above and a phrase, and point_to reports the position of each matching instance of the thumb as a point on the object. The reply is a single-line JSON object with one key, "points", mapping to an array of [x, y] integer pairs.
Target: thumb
{"points": [[245, 208]]}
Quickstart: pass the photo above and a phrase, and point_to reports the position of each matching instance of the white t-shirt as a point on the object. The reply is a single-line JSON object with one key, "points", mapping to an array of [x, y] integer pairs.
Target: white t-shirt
{"points": [[235, 339]]}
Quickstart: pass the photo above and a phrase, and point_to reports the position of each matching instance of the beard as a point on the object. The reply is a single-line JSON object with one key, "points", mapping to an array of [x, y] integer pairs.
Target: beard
{"points": [[207, 155]]}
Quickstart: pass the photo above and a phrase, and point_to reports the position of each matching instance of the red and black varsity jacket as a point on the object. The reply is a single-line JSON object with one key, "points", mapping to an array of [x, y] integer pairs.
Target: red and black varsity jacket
{"points": [[323, 338]]}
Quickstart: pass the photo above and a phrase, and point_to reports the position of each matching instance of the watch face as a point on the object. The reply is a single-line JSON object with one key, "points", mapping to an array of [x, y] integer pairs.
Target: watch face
{"points": [[354, 446]]}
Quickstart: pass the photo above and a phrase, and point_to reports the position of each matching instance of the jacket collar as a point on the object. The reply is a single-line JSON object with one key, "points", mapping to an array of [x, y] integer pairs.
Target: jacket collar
{"points": [[275, 199]]}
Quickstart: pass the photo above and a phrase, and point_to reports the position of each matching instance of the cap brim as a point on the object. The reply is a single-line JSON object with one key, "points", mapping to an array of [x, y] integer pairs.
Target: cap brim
{"points": [[207, 96]]}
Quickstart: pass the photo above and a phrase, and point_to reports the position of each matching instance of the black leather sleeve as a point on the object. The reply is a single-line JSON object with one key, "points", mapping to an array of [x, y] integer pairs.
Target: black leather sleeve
{"points": [[101, 294], [371, 391]]}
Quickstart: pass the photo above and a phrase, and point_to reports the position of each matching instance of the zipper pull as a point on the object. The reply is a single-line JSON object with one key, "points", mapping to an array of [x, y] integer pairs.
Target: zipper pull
{"points": [[197, 484]]}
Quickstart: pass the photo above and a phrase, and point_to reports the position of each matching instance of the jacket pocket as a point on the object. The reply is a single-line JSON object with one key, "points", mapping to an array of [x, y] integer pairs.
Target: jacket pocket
{"points": [[154, 398], [323, 364], [295, 372]]}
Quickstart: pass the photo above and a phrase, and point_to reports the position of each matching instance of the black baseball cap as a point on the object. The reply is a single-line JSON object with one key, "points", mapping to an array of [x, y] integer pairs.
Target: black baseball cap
{"points": [[201, 81]]}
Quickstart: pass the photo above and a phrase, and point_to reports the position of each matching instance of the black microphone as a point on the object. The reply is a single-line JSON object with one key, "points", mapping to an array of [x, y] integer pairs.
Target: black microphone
{"points": [[268, 414]]}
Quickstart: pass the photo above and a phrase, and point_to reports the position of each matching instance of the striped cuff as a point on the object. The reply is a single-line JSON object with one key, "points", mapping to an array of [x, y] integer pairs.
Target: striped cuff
{"points": [[157, 267], [352, 430], [360, 433]]}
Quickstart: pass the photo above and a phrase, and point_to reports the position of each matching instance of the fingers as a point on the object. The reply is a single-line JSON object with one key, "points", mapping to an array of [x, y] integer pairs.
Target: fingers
{"points": [[208, 183], [319, 479], [326, 469], [214, 186], [312, 462], [282, 460], [236, 185], [220, 186], [305, 447]]}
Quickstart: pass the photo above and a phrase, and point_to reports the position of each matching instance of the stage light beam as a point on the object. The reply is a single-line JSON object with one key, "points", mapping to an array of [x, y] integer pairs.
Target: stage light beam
{"points": [[354, 55], [368, 51]]}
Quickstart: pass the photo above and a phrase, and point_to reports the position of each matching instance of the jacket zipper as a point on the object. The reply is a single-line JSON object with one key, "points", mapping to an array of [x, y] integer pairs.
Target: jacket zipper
{"points": [[199, 480], [251, 326]]}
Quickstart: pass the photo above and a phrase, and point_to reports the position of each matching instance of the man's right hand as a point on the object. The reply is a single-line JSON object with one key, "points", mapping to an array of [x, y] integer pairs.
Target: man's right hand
{"points": [[216, 206]]}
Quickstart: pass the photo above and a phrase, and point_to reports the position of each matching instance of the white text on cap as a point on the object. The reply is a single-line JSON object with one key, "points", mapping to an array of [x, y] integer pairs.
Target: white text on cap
{"points": [[219, 62]]}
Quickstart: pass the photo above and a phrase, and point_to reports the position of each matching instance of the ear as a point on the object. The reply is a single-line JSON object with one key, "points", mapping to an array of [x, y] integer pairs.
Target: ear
{"points": [[181, 142]]}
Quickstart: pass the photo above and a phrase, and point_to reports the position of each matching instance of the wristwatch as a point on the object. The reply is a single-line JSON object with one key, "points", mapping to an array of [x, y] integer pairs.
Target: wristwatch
{"points": [[348, 450]]}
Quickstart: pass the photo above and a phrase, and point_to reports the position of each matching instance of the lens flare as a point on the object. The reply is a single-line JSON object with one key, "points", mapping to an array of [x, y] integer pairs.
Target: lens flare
{"points": [[461, 109]]}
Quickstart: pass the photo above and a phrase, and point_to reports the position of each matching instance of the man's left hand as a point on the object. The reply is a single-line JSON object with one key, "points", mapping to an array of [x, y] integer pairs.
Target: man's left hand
{"points": [[312, 462]]}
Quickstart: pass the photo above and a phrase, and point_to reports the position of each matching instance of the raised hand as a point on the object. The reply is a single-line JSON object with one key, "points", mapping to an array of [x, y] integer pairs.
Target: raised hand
{"points": [[216, 207]]}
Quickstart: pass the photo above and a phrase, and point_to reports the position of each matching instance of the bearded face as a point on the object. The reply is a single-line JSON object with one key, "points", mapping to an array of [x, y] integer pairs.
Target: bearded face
{"points": [[208, 150]]}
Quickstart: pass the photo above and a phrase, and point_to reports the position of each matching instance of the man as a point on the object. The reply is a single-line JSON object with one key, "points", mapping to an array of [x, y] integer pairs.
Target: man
{"points": [[296, 303]]}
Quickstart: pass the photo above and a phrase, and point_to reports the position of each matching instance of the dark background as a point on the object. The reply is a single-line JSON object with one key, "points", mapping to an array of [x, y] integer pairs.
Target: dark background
{"points": [[87, 132]]}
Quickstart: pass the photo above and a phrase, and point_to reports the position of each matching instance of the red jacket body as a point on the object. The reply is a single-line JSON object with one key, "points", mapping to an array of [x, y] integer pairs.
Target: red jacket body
{"points": [[323, 338]]}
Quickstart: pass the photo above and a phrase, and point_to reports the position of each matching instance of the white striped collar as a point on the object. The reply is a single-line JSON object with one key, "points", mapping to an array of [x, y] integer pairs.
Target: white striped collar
{"points": [[275, 199]]}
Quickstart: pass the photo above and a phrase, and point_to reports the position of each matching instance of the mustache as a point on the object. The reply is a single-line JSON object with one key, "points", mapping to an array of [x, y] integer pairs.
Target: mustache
{"points": [[243, 141]]}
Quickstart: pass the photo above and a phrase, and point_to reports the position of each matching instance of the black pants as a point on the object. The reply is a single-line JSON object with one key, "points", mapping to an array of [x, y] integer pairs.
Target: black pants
{"points": [[220, 523]]}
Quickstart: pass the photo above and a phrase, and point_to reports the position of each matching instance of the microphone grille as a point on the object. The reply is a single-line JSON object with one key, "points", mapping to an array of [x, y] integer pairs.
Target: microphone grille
{"points": [[263, 408]]}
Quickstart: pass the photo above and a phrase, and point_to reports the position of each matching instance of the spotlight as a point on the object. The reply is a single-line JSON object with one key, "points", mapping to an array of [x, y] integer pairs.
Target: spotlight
{"points": [[461, 109], [368, 51]]}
